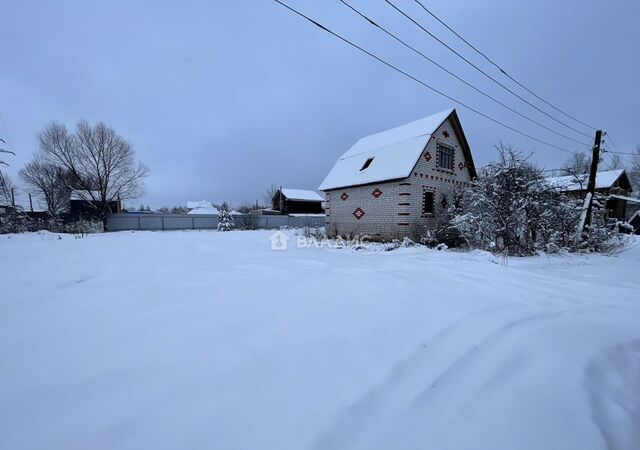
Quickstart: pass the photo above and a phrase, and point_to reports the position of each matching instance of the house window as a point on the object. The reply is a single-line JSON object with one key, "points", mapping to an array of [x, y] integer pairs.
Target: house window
{"points": [[366, 164], [427, 202], [445, 157]]}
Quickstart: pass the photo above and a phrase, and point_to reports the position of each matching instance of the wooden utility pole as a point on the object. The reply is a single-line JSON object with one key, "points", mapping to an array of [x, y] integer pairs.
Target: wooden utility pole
{"points": [[13, 197], [30, 202], [591, 186]]}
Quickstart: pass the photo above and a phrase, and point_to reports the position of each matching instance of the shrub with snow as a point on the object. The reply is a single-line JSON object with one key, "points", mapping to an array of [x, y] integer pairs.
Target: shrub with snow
{"points": [[511, 209], [21, 223]]}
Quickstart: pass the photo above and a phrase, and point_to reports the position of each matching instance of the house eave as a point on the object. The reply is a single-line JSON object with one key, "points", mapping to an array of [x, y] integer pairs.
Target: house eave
{"points": [[371, 183]]}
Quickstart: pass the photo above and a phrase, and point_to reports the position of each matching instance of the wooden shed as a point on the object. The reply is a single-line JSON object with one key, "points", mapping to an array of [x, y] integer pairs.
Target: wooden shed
{"points": [[297, 201]]}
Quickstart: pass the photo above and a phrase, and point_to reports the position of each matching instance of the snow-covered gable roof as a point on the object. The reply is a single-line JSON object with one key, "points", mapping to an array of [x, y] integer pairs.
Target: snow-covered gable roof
{"points": [[302, 195], [200, 204], [604, 180], [201, 207], [394, 152], [204, 210]]}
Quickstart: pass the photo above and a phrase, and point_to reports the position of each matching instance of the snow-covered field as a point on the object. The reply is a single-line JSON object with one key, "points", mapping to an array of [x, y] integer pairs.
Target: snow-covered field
{"points": [[208, 340]]}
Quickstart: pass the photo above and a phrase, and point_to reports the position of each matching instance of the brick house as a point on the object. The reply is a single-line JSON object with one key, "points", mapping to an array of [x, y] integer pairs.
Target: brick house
{"points": [[388, 185]]}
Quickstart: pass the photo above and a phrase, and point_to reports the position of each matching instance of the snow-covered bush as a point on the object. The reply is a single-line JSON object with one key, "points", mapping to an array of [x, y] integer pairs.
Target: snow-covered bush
{"points": [[511, 209], [21, 222], [311, 232], [225, 221], [247, 221]]}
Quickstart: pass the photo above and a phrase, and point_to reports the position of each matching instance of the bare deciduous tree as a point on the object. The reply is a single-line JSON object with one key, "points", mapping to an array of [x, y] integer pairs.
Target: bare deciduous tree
{"points": [[615, 162], [2, 150], [577, 164], [5, 189], [101, 163], [269, 193], [5, 181], [51, 182]]}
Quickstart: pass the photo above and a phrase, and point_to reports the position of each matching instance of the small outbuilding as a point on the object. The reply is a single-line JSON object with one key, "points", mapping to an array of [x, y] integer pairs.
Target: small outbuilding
{"points": [[297, 201], [613, 185]]}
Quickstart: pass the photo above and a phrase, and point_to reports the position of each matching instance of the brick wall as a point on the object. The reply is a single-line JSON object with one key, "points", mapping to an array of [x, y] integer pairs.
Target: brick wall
{"points": [[393, 209]]}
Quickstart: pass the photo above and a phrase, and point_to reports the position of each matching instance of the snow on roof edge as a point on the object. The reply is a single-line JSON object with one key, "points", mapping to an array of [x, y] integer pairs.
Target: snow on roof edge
{"points": [[604, 179], [302, 195]]}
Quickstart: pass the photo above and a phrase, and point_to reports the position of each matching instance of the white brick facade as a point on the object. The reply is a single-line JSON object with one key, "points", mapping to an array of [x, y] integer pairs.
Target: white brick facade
{"points": [[393, 209]]}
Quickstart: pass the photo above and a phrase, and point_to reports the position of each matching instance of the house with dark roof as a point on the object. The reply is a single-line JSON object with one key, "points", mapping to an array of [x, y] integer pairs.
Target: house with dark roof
{"points": [[393, 184], [613, 186], [297, 201], [85, 204]]}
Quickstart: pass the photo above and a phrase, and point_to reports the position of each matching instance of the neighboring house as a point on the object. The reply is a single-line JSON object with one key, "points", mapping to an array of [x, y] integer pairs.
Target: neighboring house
{"points": [[391, 184], [81, 206], [202, 207], [297, 201], [613, 185]]}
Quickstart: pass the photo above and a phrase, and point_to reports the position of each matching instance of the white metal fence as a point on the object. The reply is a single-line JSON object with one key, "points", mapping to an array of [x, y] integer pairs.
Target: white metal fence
{"points": [[156, 222]]}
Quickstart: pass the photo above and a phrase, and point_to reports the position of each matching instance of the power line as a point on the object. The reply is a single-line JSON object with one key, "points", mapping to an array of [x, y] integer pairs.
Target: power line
{"points": [[500, 68], [372, 22], [622, 153], [482, 71], [417, 80], [609, 138]]}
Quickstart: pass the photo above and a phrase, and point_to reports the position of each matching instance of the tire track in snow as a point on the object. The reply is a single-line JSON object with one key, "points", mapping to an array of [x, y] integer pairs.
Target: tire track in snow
{"points": [[612, 382], [425, 372]]}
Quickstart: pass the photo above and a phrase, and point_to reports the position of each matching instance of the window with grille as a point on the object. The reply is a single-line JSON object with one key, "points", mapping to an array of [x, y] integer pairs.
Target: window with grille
{"points": [[427, 202], [445, 157]]}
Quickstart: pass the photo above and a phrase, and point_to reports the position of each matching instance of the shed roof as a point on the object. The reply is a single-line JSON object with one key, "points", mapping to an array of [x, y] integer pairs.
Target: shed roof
{"points": [[394, 153], [302, 195], [604, 180]]}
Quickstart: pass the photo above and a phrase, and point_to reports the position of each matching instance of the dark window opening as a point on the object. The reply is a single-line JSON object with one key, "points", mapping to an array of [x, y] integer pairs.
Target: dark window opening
{"points": [[445, 157], [366, 164], [427, 202]]}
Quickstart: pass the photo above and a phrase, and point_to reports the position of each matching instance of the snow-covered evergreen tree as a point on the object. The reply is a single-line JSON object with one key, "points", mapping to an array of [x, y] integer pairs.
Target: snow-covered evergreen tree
{"points": [[225, 221]]}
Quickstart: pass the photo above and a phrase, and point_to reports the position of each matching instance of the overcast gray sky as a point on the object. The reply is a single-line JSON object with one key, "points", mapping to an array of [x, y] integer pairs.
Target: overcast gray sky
{"points": [[221, 99]]}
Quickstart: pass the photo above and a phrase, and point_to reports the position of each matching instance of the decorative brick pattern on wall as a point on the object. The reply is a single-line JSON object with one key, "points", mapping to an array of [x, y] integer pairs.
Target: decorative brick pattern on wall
{"points": [[397, 211]]}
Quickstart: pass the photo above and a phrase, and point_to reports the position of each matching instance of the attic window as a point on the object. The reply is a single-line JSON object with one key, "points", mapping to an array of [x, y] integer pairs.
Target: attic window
{"points": [[366, 164], [445, 157]]}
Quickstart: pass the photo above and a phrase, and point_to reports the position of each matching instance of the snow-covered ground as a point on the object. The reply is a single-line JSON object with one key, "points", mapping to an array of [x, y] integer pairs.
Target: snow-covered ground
{"points": [[208, 340]]}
